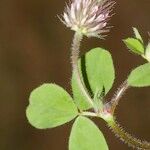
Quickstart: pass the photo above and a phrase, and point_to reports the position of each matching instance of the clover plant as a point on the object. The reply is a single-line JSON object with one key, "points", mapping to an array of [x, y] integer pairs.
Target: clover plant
{"points": [[93, 76]]}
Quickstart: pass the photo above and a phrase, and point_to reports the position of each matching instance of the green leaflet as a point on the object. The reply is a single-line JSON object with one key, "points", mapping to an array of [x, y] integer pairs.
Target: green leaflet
{"points": [[134, 45], [97, 73], [85, 135], [50, 106], [140, 77]]}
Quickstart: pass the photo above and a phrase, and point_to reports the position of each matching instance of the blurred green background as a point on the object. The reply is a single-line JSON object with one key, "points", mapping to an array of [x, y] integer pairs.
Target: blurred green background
{"points": [[34, 49]]}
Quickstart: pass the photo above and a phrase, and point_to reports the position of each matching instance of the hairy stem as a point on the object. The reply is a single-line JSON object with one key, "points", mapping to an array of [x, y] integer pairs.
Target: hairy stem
{"points": [[128, 138], [116, 98], [75, 55]]}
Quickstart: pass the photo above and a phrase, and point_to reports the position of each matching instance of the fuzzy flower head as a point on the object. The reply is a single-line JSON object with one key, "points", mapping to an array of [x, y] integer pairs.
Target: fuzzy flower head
{"points": [[89, 17]]}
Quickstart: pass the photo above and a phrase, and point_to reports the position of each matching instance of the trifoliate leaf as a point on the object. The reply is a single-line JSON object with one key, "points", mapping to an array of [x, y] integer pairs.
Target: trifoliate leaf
{"points": [[85, 135], [50, 106]]}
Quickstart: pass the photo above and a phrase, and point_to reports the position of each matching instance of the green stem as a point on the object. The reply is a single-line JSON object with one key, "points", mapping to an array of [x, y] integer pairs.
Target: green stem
{"points": [[126, 137], [116, 98], [75, 56]]}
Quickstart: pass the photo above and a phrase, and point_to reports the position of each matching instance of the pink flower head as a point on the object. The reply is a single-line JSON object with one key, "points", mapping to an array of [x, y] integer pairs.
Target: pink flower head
{"points": [[90, 17]]}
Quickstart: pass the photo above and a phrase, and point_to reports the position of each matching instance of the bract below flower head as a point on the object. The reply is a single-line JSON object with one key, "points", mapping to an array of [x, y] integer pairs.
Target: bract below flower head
{"points": [[89, 17]]}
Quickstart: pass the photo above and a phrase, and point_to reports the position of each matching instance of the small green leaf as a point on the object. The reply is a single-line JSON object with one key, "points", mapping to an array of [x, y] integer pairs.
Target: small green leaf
{"points": [[98, 72], [50, 106], [85, 135], [134, 45], [137, 35], [140, 77]]}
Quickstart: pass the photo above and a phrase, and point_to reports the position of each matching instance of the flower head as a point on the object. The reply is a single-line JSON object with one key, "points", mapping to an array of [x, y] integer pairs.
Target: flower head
{"points": [[90, 17]]}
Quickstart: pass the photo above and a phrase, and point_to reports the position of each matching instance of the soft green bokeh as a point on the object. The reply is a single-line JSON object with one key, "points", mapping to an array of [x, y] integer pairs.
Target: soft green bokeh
{"points": [[134, 45], [50, 106], [98, 72], [85, 135], [140, 77]]}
